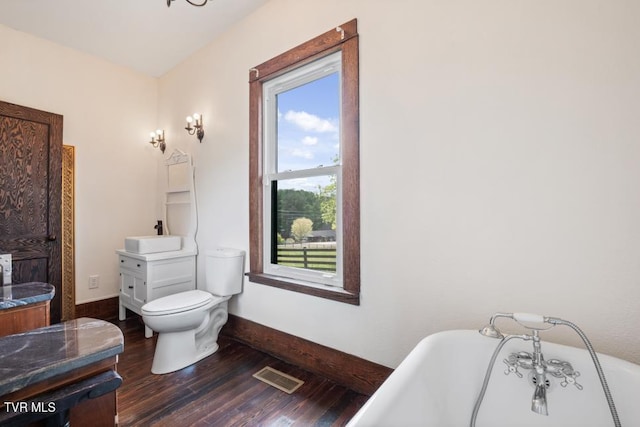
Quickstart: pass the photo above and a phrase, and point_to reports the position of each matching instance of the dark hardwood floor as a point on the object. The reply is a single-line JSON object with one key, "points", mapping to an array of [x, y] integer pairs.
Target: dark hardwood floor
{"points": [[220, 390]]}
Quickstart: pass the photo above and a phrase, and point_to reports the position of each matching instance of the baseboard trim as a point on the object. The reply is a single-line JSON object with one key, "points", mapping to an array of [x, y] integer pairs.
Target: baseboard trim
{"points": [[345, 369], [104, 309]]}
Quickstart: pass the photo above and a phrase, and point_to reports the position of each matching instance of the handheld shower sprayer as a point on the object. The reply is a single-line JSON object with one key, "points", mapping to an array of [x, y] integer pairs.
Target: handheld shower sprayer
{"points": [[531, 321], [490, 329]]}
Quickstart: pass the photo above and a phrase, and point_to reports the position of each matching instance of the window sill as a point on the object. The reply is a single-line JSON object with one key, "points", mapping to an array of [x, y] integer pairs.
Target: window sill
{"points": [[314, 289]]}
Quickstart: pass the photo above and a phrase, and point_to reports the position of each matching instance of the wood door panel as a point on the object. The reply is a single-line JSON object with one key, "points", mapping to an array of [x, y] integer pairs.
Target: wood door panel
{"points": [[30, 270], [23, 183], [31, 196]]}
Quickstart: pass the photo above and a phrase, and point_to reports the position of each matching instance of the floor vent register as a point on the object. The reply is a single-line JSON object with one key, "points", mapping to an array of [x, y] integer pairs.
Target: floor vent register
{"points": [[278, 379]]}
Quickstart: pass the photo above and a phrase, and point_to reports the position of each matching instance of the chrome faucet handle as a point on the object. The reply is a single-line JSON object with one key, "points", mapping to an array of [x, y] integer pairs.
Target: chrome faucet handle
{"points": [[512, 367], [570, 378], [564, 370]]}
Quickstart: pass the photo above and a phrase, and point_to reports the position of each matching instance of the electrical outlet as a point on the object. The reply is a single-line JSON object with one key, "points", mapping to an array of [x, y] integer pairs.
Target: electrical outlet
{"points": [[94, 281]]}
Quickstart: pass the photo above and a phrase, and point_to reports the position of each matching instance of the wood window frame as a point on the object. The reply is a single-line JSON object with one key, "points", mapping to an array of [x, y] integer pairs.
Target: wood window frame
{"points": [[342, 38]]}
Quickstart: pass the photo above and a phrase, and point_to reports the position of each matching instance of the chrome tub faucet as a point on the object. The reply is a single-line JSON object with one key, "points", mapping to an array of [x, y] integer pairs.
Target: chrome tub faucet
{"points": [[536, 363]]}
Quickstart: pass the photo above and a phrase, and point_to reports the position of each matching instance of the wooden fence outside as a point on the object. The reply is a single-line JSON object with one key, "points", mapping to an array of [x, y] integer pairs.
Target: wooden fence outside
{"points": [[310, 258]]}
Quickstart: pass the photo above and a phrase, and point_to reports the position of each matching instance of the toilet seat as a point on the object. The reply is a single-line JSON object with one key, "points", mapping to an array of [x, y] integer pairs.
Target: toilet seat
{"points": [[177, 303]]}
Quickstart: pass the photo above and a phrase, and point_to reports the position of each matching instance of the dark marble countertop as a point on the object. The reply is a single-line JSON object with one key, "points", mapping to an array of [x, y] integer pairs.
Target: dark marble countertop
{"points": [[43, 353], [25, 293]]}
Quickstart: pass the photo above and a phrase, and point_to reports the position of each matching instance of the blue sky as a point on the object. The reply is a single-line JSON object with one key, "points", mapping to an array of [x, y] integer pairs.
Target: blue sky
{"points": [[308, 124]]}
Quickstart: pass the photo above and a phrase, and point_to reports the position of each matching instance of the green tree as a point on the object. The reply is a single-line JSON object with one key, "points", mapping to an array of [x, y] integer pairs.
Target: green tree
{"points": [[294, 204], [300, 228], [328, 196], [328, 203]]}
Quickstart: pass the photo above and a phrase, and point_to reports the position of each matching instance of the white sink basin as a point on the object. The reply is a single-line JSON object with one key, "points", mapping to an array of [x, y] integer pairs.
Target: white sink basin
{"points": [[152, 244]]}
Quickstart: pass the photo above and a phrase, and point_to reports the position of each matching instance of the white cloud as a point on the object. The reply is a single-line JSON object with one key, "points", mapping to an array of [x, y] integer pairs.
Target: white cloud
{"points": [[305, 154], [310, 140], [308, 184], [309, 122]]}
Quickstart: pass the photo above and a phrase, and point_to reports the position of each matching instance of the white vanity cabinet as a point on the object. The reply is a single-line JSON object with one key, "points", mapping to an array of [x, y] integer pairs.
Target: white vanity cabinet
{"points": [[145, 277]]}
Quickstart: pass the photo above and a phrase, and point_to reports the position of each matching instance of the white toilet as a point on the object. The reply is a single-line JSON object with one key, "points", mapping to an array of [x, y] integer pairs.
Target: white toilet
{"points": [[188, 322]]}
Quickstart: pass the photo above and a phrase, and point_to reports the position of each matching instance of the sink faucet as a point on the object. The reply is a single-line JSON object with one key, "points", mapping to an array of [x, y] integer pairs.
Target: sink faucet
{"points": [[158, 227]]}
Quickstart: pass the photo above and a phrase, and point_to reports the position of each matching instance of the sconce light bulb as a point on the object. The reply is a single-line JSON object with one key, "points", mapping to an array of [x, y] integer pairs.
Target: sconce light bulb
{"points": [[189, 119], [159, 132], [152, 134], [196, 116]]}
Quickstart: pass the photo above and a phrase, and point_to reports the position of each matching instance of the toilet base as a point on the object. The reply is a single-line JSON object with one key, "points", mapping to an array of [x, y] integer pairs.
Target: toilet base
{"points": [[177, 350]]}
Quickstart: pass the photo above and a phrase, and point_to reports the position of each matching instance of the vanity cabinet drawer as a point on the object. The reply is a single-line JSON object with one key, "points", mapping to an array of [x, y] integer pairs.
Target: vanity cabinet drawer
{"points": [[133, 264]]}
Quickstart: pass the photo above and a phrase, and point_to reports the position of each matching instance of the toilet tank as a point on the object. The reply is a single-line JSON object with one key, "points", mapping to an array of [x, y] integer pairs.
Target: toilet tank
{"points": [[224, 271]]}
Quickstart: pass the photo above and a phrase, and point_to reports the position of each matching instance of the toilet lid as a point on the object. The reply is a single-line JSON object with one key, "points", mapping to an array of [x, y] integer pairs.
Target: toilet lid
{"points": [[177, 303]]}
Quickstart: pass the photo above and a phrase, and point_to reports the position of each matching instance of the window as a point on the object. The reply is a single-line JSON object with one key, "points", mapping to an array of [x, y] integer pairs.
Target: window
{"points": [[304, 168]]}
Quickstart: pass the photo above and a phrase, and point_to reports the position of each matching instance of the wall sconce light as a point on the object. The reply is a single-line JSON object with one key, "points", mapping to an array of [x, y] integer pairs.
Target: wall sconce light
{"points": [[194, 126], [190, 2], [157, 140]]}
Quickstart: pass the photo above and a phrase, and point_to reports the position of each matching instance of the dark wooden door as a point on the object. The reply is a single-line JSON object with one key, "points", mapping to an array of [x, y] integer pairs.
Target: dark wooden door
{"points": [[31, 196]]}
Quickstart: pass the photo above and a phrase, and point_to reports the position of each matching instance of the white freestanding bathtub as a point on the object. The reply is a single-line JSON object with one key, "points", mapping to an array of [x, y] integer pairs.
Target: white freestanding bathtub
{"points": [[439, 381]]}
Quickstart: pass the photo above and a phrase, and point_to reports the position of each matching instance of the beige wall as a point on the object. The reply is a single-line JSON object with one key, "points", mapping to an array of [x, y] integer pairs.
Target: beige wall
{"points": [[500, 166], [108, 114]]}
